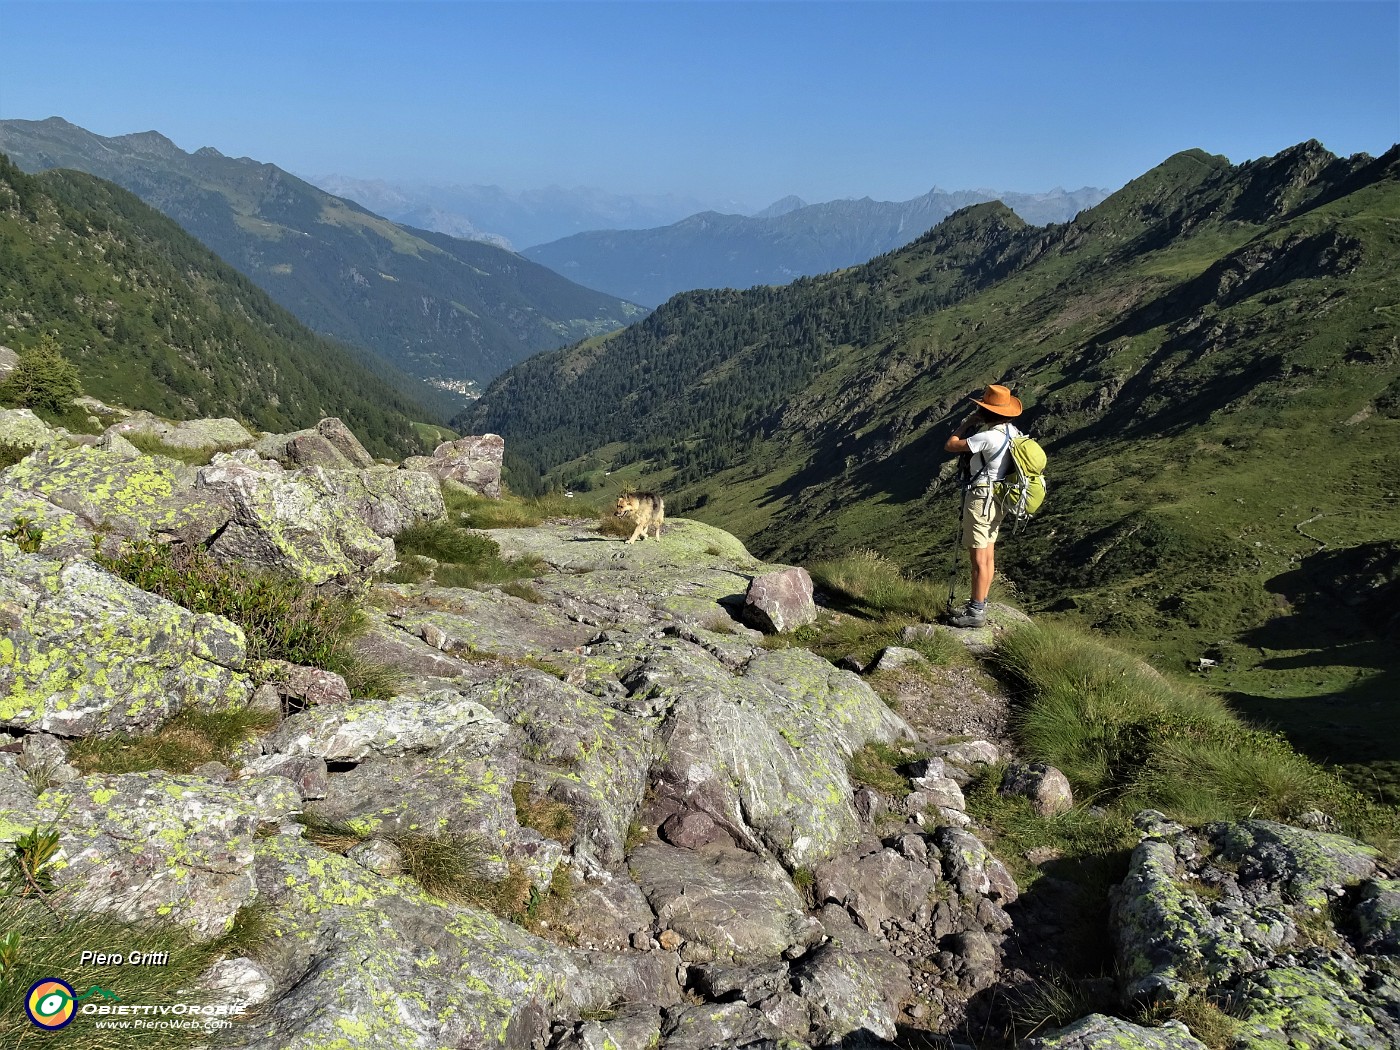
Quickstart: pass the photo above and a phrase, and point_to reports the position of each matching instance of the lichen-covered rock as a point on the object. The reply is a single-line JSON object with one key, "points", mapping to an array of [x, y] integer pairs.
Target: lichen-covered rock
{"points": [[734, 1026], [441, 721], [114, 488], [84, 652], [149, 846], [386, 499], [1378, 916], [1101, 1032], [1259, 911], [60, 533], [1321, 998], [736, 905], [580, 751], [21, 427], [779, 602], [196, 434], [764, 754], [473, 462], [634, 1027], [279, 522], [361, 961], [850, 993]]}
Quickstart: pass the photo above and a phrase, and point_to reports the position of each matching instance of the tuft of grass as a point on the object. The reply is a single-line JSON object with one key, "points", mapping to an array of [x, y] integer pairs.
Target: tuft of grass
{"points": [[40, 944], [550, 817], [1204, 1016], [523, 591], [283, 618], [866, 581], [463, 558], [610, 524], [875, 765], [189, 739], [1124, 733], [510, 512]]}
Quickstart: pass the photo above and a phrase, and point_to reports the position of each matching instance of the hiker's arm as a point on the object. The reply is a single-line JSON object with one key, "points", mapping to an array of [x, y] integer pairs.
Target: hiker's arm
{"points": [[958, 442]]}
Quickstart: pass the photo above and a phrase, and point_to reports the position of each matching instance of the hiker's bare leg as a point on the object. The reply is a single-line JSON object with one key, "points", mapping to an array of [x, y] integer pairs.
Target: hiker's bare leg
{"points": [[983, 568]]}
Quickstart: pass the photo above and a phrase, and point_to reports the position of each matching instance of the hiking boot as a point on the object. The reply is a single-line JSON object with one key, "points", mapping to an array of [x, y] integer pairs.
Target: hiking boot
{"points": [[967, 616]]}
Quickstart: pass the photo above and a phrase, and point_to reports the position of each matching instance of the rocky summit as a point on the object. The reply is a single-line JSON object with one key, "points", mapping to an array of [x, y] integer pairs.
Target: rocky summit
{"points": [[596, 811]]}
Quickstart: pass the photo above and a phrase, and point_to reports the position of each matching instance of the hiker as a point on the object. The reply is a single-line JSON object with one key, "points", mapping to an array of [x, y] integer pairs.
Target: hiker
{"points": [[985, 439]]}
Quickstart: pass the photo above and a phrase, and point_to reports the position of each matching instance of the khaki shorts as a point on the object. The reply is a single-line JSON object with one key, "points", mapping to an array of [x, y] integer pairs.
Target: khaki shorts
{"points": [[981, 517]]}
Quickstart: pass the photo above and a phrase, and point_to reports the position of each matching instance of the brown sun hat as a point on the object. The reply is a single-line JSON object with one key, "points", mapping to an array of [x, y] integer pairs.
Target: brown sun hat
{"points": [[999, 401]]}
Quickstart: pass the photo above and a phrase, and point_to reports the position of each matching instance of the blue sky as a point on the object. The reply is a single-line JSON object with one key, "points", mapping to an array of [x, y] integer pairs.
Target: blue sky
{"points": [[741, 101]]}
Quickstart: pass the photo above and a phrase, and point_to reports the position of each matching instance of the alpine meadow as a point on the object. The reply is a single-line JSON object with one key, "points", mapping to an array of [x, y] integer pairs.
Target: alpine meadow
{"points": [[1210, 356]]}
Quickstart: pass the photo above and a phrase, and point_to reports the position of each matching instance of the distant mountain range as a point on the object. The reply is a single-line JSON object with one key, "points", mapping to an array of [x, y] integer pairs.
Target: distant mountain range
{"points": [[447, 310], [1210, 356], [515, 219], [787, 240], [152, 319]]}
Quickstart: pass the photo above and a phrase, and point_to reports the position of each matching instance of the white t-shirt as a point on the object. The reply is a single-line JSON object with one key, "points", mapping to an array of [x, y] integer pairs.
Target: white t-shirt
{"points": [[989, 452]]}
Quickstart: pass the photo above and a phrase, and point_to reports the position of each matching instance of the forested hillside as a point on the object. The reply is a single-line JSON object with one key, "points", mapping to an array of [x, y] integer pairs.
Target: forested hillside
{"points": [[434, 306], [153, 320], [1211, 355]]}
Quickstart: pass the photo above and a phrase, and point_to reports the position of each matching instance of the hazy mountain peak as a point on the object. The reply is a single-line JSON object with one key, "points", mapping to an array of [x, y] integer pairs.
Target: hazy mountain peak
{"points": [[790, 203]]}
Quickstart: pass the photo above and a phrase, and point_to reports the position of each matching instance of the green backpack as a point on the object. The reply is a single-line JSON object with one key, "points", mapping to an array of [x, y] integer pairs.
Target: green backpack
{"points": [[1022, 491]]}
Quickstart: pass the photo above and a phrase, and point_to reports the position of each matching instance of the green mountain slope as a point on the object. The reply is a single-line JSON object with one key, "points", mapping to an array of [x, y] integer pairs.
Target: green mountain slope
{"points": [[1211, 356], [442, 309], [711, 250], [152, 319]]}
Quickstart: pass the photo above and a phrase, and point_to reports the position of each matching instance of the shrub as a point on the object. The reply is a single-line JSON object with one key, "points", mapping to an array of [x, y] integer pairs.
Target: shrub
{"points": [[283, 618]]}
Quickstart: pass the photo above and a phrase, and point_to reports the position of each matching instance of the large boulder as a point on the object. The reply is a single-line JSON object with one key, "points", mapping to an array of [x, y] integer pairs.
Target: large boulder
{"points": [[386, 499], [22, 428], [157, 847], [1101, 1032], [730, 903], [195, 435], [279, 522], [114, 489], [764, 753], [778, 602], [473, 462], [364, 961], [84, 652]]}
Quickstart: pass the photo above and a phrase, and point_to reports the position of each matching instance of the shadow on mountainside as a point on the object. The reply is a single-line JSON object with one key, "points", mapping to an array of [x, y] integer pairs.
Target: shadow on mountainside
{"points": [[1344, 621]]}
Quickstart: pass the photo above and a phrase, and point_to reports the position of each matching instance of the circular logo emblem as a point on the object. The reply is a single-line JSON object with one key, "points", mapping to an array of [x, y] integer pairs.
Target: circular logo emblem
{"points": [[50, 1003]]}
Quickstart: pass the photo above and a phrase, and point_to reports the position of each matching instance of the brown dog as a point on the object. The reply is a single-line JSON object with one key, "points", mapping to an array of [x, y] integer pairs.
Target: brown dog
{"points": [[647, 509]]}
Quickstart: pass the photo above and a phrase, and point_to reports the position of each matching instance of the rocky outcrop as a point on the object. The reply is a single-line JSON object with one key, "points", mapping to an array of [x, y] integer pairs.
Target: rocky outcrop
{"points": [[1271, 917], [84, 652]]}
